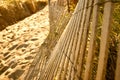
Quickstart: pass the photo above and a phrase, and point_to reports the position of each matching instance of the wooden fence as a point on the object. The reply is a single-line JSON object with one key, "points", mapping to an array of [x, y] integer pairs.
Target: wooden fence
{"points": [[83, 50]]}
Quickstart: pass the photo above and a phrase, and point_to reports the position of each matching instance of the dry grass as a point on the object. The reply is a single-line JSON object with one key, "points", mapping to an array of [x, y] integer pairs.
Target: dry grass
{"points": [[12, 11]]}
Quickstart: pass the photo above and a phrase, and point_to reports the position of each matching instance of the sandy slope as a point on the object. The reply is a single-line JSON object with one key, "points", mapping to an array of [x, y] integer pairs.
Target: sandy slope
{"points": [[20, 42]]}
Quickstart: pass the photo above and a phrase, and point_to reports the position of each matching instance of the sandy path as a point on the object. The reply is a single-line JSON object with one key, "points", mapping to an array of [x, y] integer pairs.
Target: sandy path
{"points": [[20, 42]]}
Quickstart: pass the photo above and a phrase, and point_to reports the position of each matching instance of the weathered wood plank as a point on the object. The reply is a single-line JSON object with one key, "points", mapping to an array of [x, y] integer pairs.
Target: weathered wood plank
{"points": [[104, 41], [71, 68], [84, 37], [92, 42]]}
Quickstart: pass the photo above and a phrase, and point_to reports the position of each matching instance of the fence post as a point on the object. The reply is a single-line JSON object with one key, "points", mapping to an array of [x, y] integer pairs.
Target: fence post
{"points": [[103, 56]]}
